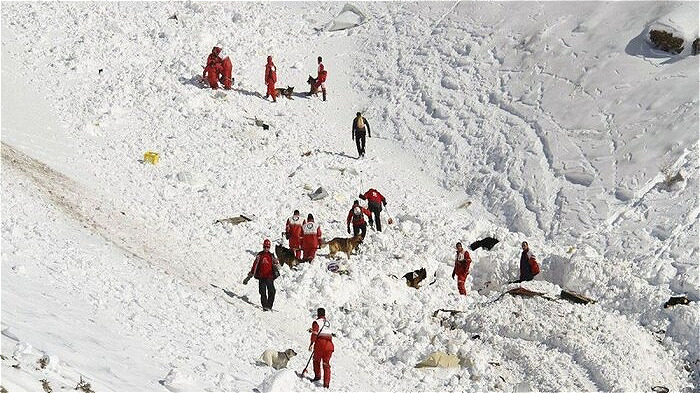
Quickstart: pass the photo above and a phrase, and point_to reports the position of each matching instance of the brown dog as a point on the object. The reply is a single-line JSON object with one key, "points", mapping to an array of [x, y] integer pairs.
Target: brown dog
{"points": [[285, 92], [285, 255], [414, 278], [346, 245]]}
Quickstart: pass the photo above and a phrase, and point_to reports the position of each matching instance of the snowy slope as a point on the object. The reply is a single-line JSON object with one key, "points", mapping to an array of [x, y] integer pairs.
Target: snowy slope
{"points": [[554, 122]]}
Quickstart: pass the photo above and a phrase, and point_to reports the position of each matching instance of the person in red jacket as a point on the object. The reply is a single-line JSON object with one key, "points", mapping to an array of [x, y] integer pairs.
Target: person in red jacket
{"points": [[311, 238], [462, 264], [322, 345], [271, 79], [356, 216], [218, 68], [265, 270], [375, 202], [321, 76], [293, 232]]}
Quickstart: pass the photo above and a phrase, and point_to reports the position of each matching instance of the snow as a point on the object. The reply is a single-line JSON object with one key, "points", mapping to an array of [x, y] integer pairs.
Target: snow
{"points": [[549, 122]]}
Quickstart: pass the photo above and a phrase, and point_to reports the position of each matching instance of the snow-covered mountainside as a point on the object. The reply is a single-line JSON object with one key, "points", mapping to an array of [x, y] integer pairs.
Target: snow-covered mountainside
{"points": [[553, 122]]}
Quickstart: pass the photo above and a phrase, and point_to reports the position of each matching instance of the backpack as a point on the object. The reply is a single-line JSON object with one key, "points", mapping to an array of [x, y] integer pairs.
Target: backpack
{"points": [[534, 266], [356, 214]]}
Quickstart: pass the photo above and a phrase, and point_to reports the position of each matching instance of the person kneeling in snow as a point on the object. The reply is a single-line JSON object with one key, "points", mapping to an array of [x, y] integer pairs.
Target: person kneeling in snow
{"points": [[218, 69], [462, 264]]}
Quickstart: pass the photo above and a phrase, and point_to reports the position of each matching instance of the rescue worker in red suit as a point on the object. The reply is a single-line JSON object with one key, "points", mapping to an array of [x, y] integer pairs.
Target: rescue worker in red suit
{"points": [[311, 238], [265, 270], [218, 69], [356, 216], [271, 79], [293, 232], [462, 264], [321, 76], [375, 201], [322, 345]]}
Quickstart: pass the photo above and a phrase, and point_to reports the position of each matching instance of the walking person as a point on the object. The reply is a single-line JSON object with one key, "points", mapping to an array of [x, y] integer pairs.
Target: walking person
{"points": [[462, 264], [375, 202], [322, 346], [293, 231], [529, 267], [271, 79], [311, 238], [356, 216], [265, 269], [359, 126]]}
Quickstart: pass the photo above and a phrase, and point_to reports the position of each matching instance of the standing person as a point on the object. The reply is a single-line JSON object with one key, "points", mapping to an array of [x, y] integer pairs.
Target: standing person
{"points": [[218, 68], [271, 79], [359, 125], [265, 270], [322, 345], [321, 76], [462, 264], [293, 231], [356, 215], [529, 267], [375, 201], [311, 238]]}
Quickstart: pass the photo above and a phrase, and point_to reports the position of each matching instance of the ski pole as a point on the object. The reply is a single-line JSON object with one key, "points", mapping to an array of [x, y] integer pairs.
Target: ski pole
{"points": [[325, 323]]}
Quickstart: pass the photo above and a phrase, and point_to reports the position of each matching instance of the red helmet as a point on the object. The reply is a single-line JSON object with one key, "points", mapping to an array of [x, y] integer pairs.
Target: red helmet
{"points": [[266, 243]]}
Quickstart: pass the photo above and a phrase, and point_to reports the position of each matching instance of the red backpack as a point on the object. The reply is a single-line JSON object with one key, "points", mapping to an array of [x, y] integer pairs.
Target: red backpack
{"points": [[534, 266]]}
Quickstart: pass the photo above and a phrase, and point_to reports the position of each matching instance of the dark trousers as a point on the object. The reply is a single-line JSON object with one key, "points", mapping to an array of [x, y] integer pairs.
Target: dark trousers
{"points": [[361, 229], [376, 208], [360, 142], [266, 287]]}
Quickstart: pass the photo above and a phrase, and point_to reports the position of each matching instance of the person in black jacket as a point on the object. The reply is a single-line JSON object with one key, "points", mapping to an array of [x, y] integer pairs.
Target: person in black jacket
{"points": [[359, 125]]}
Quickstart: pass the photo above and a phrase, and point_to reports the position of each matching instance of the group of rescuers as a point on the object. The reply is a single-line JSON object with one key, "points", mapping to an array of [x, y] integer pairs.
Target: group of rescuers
{"points": [[305, 238], [305, 235]]}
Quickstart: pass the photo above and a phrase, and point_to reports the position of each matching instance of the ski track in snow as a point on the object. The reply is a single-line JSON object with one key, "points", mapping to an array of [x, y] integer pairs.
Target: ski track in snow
{"points": [[133, 249]]}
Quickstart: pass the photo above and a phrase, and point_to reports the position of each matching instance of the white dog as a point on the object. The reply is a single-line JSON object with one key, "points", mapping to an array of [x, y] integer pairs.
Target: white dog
{"points": [[276, 360]]}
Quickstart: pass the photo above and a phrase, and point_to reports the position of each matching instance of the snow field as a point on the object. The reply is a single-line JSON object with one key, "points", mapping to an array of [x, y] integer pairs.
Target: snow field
{"points": [[450, 98]]}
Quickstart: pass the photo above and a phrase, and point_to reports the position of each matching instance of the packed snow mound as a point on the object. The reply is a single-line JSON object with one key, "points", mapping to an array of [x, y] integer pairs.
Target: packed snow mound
{"points": [[680, 23], [350, 16]]}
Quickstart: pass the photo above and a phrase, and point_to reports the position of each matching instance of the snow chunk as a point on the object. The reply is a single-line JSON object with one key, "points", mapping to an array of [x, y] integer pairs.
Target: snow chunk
{"points": [[449, 83], [320, 193], [349, 17], [22, 348], [282, 381], [51, 362], [175, 381], [193, 180]]}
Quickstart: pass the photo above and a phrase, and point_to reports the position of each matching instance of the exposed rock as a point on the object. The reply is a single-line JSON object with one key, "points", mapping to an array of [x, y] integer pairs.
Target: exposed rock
{"points": [[575, 297], [677, 300], [666, 41]]}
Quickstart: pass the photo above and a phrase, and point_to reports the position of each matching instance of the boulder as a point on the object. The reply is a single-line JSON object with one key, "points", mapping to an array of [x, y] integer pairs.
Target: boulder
{"points": [[320, 193]]}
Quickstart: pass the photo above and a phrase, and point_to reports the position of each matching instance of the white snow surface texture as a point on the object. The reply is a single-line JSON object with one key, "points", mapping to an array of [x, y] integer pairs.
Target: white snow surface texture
{"points": [[556, 120]]}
